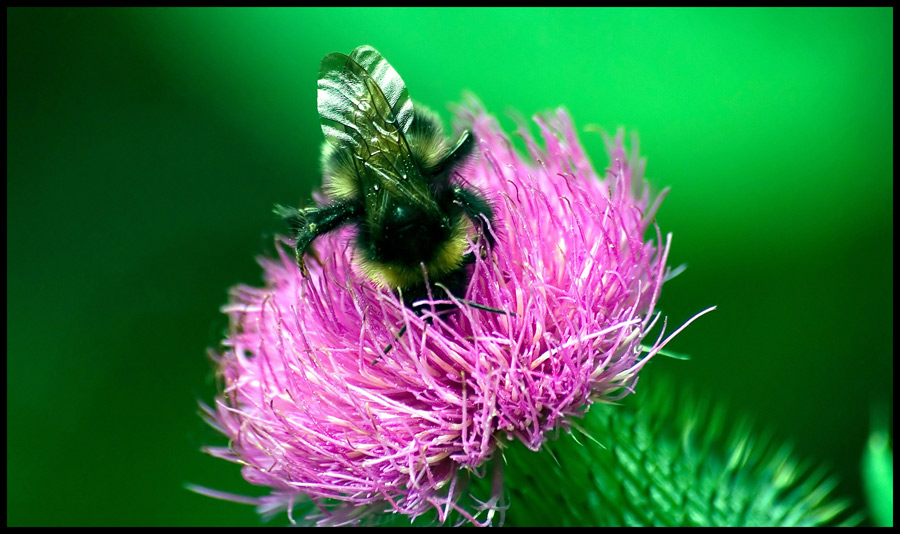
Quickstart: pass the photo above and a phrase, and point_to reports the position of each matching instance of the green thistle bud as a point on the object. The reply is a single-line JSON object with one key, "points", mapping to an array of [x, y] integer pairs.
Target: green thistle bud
{"points": [[666, 459]]}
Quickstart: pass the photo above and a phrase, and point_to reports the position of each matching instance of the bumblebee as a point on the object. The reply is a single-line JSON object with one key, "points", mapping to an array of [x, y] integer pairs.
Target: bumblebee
{"points": [[389, 170]]}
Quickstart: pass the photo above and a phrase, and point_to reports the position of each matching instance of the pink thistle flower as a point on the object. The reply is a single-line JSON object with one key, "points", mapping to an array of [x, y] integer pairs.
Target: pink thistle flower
{"points": [[315, 408]]}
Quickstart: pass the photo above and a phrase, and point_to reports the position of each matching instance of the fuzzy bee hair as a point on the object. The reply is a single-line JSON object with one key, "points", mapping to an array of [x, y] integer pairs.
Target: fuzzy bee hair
{"points": [[389, 171]]}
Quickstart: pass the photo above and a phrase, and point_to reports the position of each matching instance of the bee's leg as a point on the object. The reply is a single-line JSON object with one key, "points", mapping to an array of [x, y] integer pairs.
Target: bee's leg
{"points": [[460, 152], [391, 346], [428, 320], [307, 224], [408, 297], [475, 206]]}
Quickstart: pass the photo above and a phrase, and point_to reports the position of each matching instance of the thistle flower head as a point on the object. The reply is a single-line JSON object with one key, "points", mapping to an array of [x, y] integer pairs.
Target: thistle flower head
{"points": [[334, 391]]}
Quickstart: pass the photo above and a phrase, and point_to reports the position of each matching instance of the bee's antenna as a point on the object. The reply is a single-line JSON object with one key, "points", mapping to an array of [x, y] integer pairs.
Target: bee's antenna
{"points": [[475, 304], [487, 308]]}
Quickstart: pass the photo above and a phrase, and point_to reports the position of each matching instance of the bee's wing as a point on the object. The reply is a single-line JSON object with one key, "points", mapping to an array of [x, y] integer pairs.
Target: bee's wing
{"points": [[390, 83], [365, 109]]}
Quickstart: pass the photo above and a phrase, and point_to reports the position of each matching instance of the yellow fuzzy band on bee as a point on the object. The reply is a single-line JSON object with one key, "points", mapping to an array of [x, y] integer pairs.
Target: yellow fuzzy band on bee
{"points": [[426, 137], [341, 181], [447, 260]]}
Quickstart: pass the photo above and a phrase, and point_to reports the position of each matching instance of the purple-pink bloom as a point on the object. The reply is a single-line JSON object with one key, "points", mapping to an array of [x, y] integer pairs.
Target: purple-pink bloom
{"points": [[315, 409]]}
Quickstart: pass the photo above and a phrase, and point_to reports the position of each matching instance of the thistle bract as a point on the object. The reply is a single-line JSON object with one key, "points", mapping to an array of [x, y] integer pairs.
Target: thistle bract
{"points": [[336, 392]]}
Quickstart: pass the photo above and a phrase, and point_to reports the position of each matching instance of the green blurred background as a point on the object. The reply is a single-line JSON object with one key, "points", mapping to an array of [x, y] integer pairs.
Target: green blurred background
{"points": [[146, 147]]}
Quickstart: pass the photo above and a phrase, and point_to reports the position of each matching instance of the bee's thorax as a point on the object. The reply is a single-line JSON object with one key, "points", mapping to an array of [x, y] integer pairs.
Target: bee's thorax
{"points": [[406, 235]]}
